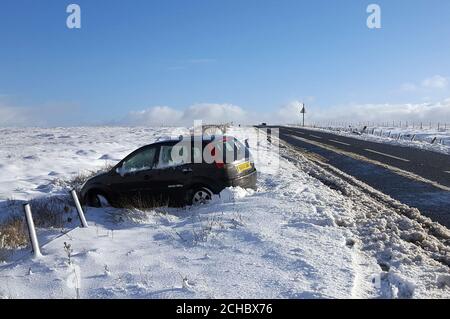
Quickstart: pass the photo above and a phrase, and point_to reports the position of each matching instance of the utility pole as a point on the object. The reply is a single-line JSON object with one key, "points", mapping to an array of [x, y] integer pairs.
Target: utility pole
{"points": [[303, 111]]}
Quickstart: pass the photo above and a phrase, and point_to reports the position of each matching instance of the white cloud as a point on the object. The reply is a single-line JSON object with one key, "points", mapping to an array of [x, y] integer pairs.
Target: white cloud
{"points": [[435, 82], [14, 116], [157, 115], [215, 113], [290, 114], [221, 113], [435, 112], [50, 114], [167, 116]]}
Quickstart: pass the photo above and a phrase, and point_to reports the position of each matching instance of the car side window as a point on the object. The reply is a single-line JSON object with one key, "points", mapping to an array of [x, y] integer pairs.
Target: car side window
{"points": [[165, 157], [143, 160], [197, 154]]}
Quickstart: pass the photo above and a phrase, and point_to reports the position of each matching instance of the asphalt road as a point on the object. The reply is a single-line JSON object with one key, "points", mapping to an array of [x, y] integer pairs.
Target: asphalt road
{"points": [[429, 165], [431, 200]]}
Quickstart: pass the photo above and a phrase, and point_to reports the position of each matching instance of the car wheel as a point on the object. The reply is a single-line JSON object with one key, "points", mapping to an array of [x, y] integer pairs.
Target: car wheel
{"points": [[94, 200], [201, 195]]}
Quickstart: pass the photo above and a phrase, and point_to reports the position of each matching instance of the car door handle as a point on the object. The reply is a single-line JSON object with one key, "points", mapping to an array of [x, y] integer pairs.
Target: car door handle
{"points": [[186, 170]]}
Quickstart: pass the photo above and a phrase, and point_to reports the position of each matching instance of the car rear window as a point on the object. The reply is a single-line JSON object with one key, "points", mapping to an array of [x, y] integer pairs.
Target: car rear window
{"points": [[223, 150], [230, 150]]}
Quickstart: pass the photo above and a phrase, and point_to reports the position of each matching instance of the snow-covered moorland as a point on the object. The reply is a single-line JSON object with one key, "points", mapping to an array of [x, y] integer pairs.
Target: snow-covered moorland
{"points": [[293, 238]]}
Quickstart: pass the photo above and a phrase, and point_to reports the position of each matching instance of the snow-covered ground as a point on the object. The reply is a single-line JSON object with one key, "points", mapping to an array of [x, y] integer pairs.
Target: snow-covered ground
{"points": [[31, 159], [425, 138], [293, 238]]}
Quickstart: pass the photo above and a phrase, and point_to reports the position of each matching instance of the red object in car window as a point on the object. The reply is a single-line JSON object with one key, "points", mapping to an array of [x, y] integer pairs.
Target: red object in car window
{"points": [[220, 165]]}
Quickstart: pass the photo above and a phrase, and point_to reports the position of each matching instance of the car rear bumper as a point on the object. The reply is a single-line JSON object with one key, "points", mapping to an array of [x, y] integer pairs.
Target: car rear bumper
{"points": [[246, 181]]}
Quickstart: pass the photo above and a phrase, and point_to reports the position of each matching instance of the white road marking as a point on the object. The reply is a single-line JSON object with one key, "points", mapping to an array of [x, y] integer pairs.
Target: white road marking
{"points": [[384, 154], [294, 131], [359, 157], [339, 142], [315, 136]]}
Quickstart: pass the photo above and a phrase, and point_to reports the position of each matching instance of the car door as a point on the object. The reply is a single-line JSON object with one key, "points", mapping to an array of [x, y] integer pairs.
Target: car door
{"points": [[134, 178], [173, 173]]}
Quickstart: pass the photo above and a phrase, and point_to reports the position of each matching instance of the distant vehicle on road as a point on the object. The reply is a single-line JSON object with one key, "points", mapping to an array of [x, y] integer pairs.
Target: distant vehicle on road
{"points": [[153, 176]]}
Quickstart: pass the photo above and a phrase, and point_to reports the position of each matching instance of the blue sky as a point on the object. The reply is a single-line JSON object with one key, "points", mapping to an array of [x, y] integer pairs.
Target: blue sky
{"points": [[258, 55]]}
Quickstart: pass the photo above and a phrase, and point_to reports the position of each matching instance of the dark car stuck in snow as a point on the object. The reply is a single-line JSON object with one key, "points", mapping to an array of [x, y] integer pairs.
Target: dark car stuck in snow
{"points": [[184, 171]]}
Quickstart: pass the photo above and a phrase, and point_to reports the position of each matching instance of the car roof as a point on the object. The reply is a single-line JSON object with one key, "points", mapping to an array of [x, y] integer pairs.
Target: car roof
{"points": [[205, 138]]}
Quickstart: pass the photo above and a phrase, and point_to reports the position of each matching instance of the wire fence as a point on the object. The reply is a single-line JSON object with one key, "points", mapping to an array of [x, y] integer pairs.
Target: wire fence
{"points": [[431, 132], [415, 125]]}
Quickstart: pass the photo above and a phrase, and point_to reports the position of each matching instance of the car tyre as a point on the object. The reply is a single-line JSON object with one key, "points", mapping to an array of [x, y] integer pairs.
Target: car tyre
{"points": [[93, 200], [201, 195]]}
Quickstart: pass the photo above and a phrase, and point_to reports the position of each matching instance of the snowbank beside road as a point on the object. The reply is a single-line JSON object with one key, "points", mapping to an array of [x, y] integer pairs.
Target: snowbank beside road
{"points": [[293, 238]]}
